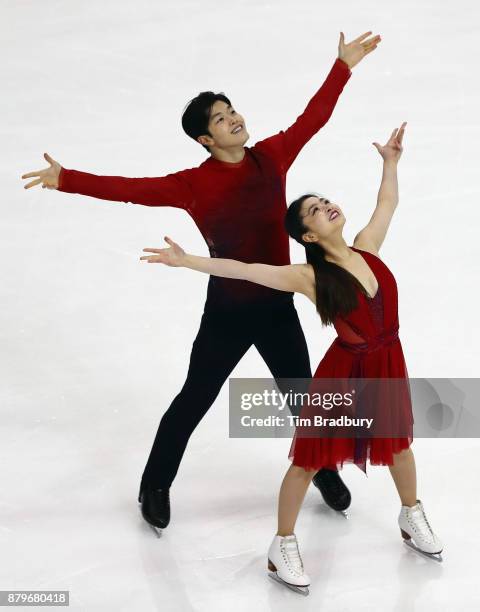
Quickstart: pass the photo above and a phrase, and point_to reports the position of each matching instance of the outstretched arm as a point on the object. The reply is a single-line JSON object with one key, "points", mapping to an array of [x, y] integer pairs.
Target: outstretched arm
{"points": [[170, 190], [296, 277], [286, 145], [373, 234]]}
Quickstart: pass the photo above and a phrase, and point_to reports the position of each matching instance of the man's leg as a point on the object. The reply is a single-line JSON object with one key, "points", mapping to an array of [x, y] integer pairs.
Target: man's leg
{"points": [[280, 340], [221, 342]]}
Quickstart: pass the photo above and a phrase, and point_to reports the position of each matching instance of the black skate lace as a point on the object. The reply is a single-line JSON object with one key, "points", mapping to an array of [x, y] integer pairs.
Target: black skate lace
{"points": [[334, 484]]}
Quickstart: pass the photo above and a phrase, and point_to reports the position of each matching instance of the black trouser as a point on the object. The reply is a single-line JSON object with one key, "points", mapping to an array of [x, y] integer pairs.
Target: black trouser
{"points": [[222, 340]]}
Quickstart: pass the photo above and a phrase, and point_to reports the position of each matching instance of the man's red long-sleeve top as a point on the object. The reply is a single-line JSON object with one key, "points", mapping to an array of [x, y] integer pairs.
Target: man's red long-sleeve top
{"points": [[238, 207]]}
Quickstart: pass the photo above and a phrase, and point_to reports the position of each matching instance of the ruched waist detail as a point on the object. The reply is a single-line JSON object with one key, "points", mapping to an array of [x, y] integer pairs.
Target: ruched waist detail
{"points": [[383, 339]]}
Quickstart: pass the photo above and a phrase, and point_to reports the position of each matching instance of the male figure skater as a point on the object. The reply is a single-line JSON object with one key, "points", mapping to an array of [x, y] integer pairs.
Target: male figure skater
{"points": [[237, 199]]}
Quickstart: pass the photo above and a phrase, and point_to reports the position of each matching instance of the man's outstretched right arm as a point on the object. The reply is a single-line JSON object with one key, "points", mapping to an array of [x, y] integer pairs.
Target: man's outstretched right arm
{"points": [[170, 190]]}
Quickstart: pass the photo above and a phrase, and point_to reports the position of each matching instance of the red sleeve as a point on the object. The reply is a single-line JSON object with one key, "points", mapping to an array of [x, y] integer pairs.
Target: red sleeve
{"points": [[286, 145], [170, 190]]}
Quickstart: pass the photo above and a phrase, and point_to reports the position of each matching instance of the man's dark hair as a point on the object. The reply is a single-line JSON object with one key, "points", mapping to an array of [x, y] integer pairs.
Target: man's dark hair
{"points": [[196, 115]]}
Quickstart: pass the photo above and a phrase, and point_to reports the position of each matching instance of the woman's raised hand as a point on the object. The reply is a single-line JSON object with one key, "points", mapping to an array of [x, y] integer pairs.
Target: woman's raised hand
{"points": [[393, 149], [48, 177], [353, 52], [172, 256]]}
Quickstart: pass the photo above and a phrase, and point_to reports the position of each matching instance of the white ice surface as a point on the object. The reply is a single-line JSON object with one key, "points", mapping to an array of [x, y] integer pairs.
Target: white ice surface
{"points": [[95, 345]]}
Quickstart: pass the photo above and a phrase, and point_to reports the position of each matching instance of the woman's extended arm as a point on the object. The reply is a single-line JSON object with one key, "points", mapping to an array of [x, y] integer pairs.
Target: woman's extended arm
{"points": [[296, 277], [373, 234]]}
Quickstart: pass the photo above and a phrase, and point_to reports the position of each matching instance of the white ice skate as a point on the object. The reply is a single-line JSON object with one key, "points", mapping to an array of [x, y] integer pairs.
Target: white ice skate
{"points": [[285, 564], [417, 533]]}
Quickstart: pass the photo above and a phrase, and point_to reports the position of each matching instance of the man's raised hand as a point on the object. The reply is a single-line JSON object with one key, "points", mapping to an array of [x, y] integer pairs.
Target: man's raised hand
{"points": [[355, 51], [48, 177], [172, 256]]}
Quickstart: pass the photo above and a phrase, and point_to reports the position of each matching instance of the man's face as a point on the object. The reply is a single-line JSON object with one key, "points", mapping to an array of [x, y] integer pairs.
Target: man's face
{"points": [[226, 126]]}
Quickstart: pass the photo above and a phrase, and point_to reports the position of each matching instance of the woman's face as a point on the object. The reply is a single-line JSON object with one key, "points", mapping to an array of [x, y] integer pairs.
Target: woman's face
{"points": [[321, 217]]}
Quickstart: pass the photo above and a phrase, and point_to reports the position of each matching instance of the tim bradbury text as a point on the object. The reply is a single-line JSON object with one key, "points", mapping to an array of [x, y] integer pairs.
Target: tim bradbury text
{"points": [[317, 421]]}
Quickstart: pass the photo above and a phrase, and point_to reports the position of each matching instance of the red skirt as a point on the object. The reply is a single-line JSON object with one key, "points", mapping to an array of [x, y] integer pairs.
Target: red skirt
{"points": [[314, 453]]}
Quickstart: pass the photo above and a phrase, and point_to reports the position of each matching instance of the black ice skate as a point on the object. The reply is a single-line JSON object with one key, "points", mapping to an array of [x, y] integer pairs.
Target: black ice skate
{"points": [[155, 507], [333, 490]]}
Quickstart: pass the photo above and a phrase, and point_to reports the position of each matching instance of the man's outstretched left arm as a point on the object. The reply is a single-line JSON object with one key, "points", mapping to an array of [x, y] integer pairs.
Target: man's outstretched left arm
{"points": [[286, 145]]}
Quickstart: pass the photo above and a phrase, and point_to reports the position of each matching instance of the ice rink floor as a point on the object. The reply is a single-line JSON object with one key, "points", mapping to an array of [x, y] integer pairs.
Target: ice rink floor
{"points": [[95, 345]]}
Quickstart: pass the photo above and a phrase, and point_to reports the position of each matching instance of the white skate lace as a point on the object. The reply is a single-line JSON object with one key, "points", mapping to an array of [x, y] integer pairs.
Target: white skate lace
{"points": [[293, 555], [422, 524]]}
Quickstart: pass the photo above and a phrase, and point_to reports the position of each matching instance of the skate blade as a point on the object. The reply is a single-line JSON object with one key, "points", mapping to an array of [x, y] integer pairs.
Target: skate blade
{"points": [[156, 530], [434, 556], [297, 589]]}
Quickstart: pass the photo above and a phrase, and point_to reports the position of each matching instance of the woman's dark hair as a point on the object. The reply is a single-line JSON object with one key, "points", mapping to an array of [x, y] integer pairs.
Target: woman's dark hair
{"points": [[196, 115], [334, 286]]}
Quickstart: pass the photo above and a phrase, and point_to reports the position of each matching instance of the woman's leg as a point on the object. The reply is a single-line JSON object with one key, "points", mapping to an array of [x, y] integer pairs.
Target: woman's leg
{"points": [[280, 340], [412, 520], [292, 493], [404, 475]]}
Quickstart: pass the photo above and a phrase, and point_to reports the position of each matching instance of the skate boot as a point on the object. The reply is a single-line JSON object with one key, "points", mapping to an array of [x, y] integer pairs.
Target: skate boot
{"points": [[417, 533], [155, 507], [285, 564], [333, 490]]}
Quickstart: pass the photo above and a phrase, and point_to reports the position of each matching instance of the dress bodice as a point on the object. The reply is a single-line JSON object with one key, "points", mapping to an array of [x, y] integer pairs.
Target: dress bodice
{"points": [[373, 316]]}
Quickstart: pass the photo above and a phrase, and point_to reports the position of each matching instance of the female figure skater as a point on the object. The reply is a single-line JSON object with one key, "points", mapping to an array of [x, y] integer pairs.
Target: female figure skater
{"points": [[355, 291]]}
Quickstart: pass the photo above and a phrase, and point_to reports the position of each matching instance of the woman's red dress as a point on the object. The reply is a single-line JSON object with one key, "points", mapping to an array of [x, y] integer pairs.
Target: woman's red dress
{"points": [[367, 346]]}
